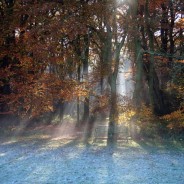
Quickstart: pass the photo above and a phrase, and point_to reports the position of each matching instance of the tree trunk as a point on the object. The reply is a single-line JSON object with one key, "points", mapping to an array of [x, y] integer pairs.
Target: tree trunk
{"points": [[113, 111], [137, 96], [156, 95], [89, 128], [164, 28], [85, 117], [138, 91], [112, 77], [78, 102], [171, 37]]}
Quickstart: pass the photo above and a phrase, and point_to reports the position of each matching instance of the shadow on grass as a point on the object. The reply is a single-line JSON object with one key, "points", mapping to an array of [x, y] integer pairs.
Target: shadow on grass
{"points": [[160, 145], [55, 160]]}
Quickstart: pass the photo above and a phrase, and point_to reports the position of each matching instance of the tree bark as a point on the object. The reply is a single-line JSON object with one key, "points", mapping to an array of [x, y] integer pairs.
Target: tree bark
{"points": [[113, 111], [155, 93], [138, 94], [85, 59]]}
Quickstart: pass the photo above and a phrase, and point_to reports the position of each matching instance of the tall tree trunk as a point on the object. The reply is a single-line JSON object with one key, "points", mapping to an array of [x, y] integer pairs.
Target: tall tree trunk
{"points": [[78, 100], [112, 77], [171, 28], [85, 78], [113, 111], [164, 28], [137, 96], [113, 115], [155, 93], [61, 111], [164, 41], [8, 36], [138, 53], [151, 58], [113, 68], [89, 128]]}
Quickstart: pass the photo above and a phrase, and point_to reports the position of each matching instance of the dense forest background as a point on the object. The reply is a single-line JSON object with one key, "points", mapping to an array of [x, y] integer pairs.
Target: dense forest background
{"points": [[63, 59]]}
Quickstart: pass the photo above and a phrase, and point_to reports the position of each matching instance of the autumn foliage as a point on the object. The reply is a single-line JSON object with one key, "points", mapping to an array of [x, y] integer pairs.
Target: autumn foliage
{"points": [[54, 52]]}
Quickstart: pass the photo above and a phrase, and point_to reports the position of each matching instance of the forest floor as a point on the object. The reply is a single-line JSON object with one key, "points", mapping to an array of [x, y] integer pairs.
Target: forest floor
{"points": [[47, 159]]}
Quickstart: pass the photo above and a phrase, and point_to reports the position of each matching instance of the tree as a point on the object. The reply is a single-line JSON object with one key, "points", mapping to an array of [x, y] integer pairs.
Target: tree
{"points": [[154, 38]]}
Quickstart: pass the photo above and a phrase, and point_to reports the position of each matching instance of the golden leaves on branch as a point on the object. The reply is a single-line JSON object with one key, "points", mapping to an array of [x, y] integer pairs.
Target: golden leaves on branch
{"points": [[36, 96], [180, 23], [174, 115], [34, 91], [126, 116], [175, 119]]}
